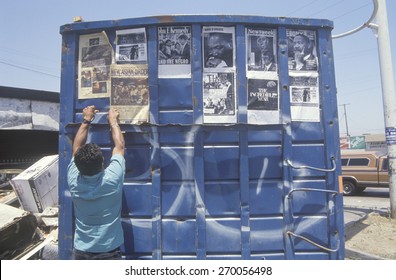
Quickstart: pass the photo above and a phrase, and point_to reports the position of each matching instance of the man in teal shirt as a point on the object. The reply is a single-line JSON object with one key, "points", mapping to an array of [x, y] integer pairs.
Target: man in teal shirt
{"points": [[97, 192]]}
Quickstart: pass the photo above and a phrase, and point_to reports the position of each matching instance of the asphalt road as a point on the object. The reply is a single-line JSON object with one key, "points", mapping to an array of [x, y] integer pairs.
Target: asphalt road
{"points": [[371, 198]]}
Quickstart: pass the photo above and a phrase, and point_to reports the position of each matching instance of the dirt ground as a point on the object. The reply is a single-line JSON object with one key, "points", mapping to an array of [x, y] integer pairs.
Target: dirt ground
{"points": [[375, 235]]}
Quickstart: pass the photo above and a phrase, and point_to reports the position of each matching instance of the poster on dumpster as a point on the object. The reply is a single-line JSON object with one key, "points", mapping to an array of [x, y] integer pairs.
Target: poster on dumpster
{"points": [[261, 50], [174, 52], [131, 46], [302, 54], [304, 98], [263, 101], [218, 48], [130, 92], [95, 57], [219, 98]]}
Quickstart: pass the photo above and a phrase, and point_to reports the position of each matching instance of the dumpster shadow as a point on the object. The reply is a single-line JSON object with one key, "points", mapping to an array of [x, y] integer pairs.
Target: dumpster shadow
{"points": [[355, 218]]}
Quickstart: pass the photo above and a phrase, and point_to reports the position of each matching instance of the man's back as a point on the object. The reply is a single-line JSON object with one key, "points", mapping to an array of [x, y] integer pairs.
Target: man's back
{"points": [[97, 206]]}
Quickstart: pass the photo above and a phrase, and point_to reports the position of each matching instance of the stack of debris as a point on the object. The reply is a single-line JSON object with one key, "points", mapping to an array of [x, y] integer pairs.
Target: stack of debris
{"points": [[29, 213]]}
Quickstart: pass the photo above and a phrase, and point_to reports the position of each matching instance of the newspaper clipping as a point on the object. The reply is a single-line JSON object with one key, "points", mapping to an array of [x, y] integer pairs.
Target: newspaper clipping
{"points": [[131, 46], [219, 98], [302, 52], [95, 58], [261, 50], [174, 52], [218, 47], [304, 98], [130, 92], [263, 101]]}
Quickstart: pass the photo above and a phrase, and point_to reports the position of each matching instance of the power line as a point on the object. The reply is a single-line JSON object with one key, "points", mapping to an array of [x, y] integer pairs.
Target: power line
{"points": [[14, 51], [354, 10], [328, 7], [299, 9], [26, 63], [29, 69]]}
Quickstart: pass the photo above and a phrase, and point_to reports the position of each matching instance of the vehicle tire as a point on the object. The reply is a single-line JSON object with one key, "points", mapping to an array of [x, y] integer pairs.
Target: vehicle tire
{"points": [[349, 188]]}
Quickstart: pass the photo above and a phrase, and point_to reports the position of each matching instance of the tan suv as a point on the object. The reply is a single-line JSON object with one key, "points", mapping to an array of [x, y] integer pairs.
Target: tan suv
{"points": [[361, 169]]}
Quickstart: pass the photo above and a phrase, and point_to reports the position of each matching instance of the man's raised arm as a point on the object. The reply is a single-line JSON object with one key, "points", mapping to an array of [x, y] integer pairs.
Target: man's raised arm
{"points": [[82, 133], [116, 134]]}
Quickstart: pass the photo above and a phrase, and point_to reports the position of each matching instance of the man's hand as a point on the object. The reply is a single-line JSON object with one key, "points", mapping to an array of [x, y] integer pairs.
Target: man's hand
{"points": [[116, 134], [113, 116], [89, 113]]}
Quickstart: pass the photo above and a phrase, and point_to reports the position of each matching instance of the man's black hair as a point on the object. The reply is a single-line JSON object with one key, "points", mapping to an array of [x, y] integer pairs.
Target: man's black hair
{"points": [[89, 159]]}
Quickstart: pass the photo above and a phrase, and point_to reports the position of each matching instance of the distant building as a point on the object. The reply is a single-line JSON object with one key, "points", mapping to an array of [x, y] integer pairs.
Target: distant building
{"points": [[369, 142], [376, 142], [29, 126]]}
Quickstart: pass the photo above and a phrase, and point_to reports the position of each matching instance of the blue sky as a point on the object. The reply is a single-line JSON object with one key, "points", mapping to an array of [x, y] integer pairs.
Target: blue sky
{"points": [[30, 43]]}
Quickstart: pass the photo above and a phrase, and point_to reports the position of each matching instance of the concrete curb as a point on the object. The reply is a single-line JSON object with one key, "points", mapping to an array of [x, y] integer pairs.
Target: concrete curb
{"points": [[359, 255], [362, 216], [356, 254]]}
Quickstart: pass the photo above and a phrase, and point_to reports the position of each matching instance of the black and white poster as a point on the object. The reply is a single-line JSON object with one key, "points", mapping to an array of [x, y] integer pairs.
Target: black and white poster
{"points": [[219, 98], [131, 46], [263, 101], [174, 52], [302, 53], [304, 98], [218, 47], [261, 50]]}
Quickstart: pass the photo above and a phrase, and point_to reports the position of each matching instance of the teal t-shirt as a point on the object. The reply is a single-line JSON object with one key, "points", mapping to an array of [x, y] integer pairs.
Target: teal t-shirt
{"points": [[97, 204]]}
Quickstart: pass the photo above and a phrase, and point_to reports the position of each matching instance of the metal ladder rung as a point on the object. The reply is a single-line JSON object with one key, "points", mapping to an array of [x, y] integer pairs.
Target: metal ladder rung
{"points": [[313, 168], [314, 243], [290, 233]]}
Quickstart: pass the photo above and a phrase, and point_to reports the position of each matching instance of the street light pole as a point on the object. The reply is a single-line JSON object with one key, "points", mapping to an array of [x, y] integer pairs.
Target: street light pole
{"points": [[388, 95], [388, 88]]}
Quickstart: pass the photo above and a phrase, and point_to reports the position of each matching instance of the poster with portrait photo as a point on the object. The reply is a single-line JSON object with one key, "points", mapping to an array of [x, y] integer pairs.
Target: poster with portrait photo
{"points": [[94, 60], [263, 101], [218, 47], [131, 46], [130, 92], [261, 50], [302, 53], [174, 52], [219, 100], [304, 98]]}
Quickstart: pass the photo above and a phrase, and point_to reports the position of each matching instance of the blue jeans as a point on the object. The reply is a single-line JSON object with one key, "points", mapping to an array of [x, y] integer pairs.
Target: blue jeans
{"points": [[112, 255]]}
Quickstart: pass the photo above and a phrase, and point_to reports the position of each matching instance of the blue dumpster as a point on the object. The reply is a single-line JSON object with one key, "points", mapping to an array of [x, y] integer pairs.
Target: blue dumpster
{"points": [[231, 130]]}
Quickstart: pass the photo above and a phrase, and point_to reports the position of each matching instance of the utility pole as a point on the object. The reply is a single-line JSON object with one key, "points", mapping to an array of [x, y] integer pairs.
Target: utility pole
{"points": [[346, 119], [388, 88], [388, 95]]}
